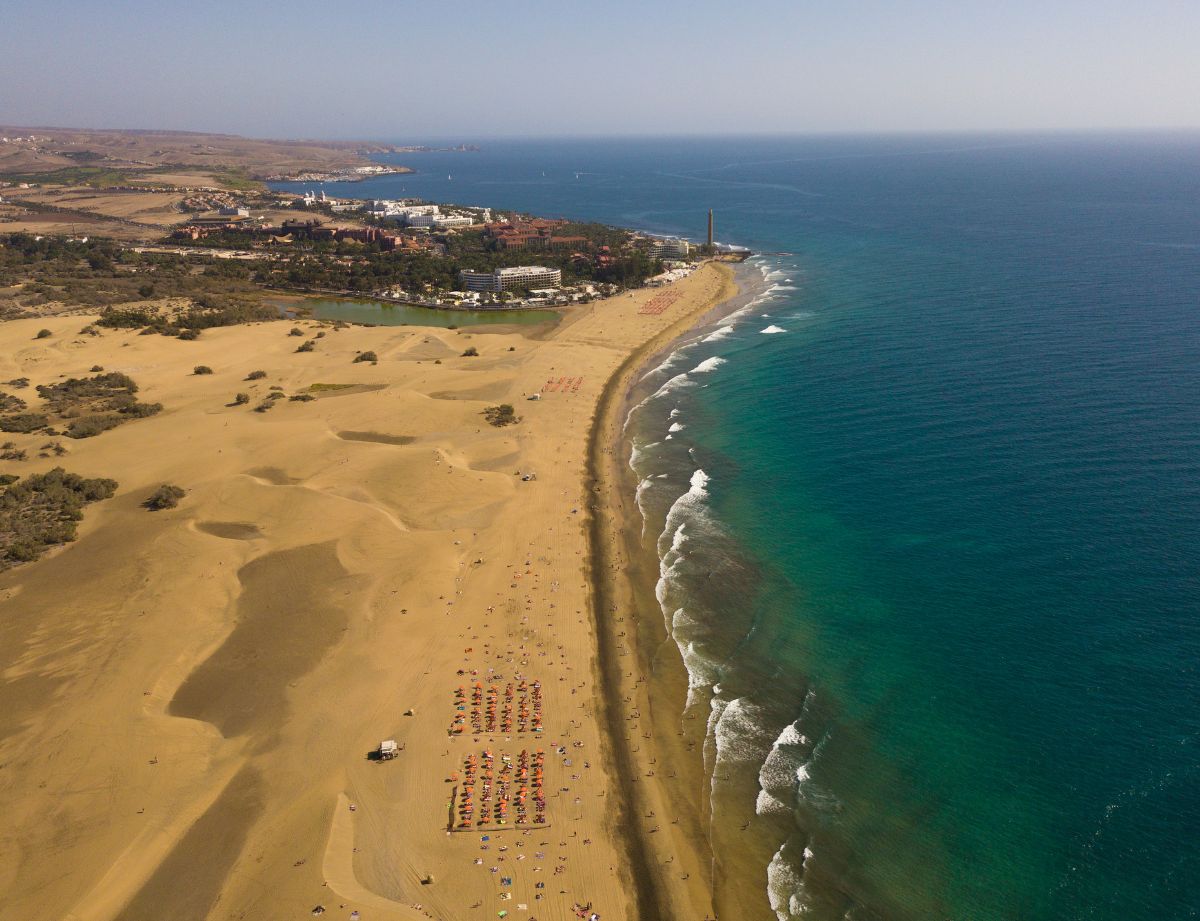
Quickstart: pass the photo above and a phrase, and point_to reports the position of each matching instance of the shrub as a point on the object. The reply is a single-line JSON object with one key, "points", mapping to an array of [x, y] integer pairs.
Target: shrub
{"points": [[43, 334], [320, 335], [241, 399], [189, 334], [202, 369], [64, 394], [501, 415], [96, 368], [90, 426], [166, 496], [23, 422], [11, 404], [471, 352], [365, 356], [302, 397], [295, 331], [264, 406], [7, 479], [256, 375], [42, 510], [306, 346], [13, 454], [89, 330], [19, 382], [141, 410], [130, 318]]}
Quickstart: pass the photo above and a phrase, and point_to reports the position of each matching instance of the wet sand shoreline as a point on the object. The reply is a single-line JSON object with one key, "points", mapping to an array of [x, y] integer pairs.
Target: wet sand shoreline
{"points": [[639, 665]]}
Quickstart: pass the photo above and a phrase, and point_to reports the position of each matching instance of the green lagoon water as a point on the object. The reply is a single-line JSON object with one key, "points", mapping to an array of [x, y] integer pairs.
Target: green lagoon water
{"points": [[383, 313]]}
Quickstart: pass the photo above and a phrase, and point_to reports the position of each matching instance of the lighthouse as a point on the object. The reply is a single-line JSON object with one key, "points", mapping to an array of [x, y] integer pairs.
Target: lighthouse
{"points": [[710, 230]]}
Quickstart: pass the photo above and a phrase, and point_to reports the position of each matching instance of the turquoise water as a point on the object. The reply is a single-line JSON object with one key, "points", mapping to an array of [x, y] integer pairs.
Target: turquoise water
{"points": [[931, 551], [383, 313]]}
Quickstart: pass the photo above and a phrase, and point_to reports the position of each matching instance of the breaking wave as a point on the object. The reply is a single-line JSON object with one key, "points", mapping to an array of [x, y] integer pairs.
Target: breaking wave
{"points": [[708, 365]]}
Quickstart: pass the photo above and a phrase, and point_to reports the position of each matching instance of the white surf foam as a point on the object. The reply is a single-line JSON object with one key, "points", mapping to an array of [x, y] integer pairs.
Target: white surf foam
{"points": [[686, 514], [670, 361], [719, 333], [780, 773], [785, 888], [769, 804], [675, 427], [639, 497], [636, 454], [674, 383], [708, 365], [773, 329]]}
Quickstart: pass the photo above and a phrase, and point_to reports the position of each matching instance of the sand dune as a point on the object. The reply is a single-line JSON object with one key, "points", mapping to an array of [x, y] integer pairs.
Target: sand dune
{"points": [[188, 697]]}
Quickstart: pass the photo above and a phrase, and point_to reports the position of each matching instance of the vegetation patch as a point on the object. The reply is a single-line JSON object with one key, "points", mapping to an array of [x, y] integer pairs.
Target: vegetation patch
{"points": [[238, 180], [366, 356], [94, 176], [24, 423], [10, 403], [42, 510], [36, 270], [91, 405], [206, 312], [501, 415], [166, 496]]}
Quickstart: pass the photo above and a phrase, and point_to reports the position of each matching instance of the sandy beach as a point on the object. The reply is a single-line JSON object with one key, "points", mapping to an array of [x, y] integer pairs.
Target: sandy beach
{"points": [[189, 697]]}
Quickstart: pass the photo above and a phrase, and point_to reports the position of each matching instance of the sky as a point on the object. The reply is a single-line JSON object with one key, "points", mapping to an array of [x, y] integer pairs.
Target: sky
{"points": [[463, 69]]}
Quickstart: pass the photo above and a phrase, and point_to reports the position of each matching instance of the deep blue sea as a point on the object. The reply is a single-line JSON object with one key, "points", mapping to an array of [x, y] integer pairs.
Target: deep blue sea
{"points": [[928, 508]]}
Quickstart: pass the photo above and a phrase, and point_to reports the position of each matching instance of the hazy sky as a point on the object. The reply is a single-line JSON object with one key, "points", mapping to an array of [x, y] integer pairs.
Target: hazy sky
{"points": [[467, 68]]}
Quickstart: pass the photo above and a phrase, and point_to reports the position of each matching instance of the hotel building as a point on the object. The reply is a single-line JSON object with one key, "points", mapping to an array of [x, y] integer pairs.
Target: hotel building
{"points": [[506, 279]]}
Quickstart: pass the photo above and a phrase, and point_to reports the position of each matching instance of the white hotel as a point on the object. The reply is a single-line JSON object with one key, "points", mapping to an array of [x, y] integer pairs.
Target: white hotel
{"points": [[518, 276], [671, 247]]}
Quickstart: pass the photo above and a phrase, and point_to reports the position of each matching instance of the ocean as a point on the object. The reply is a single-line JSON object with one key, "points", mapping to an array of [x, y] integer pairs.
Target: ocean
{"points": [[927, 508]]}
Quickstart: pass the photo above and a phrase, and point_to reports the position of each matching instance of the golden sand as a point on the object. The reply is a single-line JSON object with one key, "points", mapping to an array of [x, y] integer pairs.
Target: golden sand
{"points": [[188, 697]]}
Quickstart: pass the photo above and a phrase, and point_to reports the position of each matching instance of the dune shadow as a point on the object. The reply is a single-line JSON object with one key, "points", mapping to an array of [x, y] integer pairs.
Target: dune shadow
{"points": [[377, 438], [230, 530]]}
